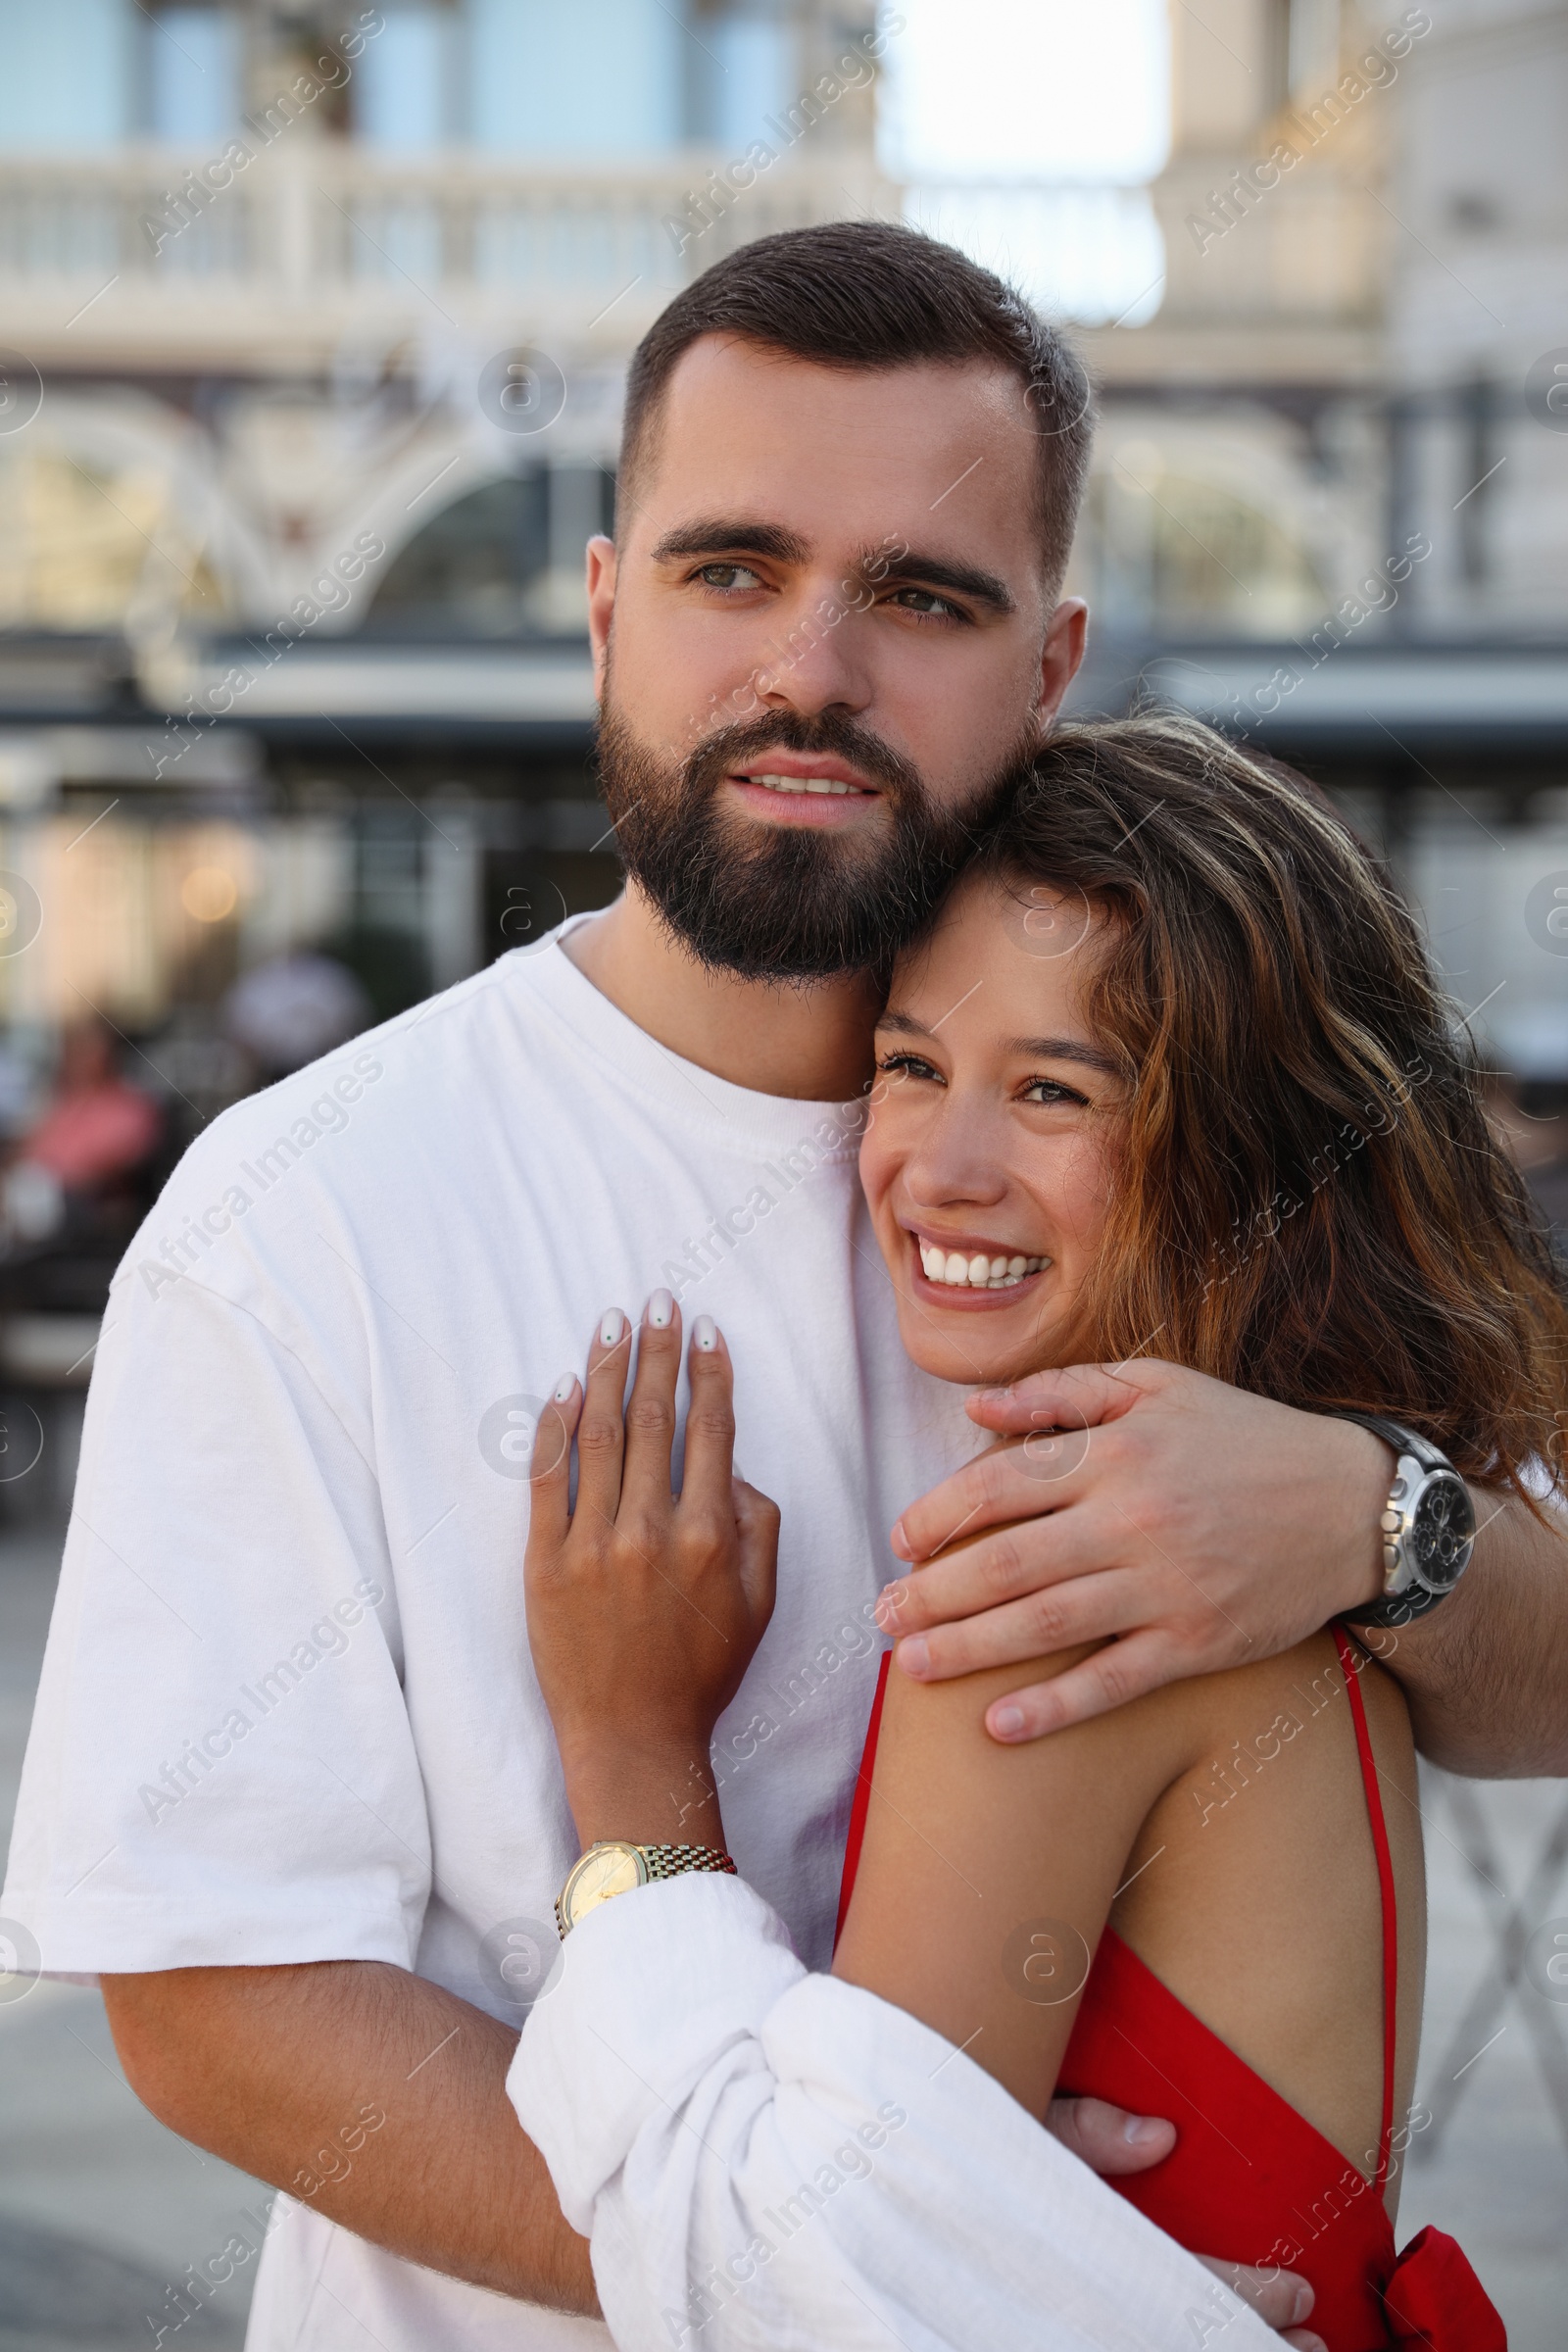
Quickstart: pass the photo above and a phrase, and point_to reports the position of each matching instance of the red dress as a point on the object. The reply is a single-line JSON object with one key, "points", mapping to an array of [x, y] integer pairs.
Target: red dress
{"points": [[1249, 2179]]}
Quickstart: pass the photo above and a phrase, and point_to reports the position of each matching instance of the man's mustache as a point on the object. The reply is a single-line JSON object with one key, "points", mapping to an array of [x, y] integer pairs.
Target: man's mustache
{"points": [[829, 732]]}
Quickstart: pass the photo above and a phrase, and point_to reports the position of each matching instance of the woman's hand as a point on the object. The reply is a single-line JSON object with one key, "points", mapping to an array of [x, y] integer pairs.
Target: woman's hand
{"points": [[645, 1607]]}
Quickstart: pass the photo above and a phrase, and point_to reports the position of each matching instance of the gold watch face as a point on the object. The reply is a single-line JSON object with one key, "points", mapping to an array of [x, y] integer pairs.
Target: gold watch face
{"points": [[604, 1871]]}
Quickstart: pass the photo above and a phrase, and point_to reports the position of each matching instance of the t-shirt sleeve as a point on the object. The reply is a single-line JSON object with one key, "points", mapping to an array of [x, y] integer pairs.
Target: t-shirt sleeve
{"points": [[222, 1768]]}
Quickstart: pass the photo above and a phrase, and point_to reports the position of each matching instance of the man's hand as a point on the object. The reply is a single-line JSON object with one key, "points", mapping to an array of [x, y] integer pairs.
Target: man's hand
{"points": [[1187, 1525], [1109, 2141]]}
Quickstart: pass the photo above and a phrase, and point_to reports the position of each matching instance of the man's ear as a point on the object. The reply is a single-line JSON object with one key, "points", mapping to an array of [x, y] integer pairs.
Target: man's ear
{"points": [[601, 561], [1061, 655]]}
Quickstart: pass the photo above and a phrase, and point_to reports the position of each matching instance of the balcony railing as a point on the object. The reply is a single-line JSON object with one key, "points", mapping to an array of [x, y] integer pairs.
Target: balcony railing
{"points": [[318, 227]]}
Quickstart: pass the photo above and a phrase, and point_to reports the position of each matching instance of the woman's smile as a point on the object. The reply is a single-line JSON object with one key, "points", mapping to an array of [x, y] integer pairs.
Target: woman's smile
{"points": [[958, 1270], [988, 1158]]}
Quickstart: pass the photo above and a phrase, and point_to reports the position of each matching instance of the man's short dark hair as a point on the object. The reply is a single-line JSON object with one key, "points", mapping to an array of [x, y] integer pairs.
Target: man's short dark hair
{"points": [[873, 294]]}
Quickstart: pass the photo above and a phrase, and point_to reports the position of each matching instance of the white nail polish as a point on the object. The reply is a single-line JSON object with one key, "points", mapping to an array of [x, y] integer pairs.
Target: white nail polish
{"points": [[564, 1387], [659, 1310], [613, 1330], [704, 1334]]}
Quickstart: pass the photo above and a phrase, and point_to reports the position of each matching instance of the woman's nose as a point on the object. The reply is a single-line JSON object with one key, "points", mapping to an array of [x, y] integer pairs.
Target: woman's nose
{"points": [[955, 1164]]}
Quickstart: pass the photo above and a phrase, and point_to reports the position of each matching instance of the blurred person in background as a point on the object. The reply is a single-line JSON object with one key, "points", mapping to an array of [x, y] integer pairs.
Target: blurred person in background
{"points": [[80, 1170], [294, 1008]]}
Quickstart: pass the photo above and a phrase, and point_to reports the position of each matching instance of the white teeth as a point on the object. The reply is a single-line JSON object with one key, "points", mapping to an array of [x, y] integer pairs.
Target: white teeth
{"points": [[831, 784], [977, 1273]]}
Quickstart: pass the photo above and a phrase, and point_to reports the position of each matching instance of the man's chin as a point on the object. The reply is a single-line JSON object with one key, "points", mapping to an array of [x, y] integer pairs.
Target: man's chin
{"points": [[766, 892]]}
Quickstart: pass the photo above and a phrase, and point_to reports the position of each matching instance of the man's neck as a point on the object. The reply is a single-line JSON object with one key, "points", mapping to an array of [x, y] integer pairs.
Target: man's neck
{"points": [[812, 1042]]}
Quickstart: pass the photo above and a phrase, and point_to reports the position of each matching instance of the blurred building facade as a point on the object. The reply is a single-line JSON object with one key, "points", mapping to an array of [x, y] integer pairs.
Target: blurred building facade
{"points": [[318, 322], [1331, 501]]}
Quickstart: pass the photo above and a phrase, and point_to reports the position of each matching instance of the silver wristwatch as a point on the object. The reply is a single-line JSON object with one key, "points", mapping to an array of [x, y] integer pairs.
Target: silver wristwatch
{"points": [[1429, 1527]]}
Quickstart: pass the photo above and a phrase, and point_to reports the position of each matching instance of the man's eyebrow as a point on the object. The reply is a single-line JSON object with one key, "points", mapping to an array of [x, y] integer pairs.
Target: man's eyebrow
{"points": [[939, 571], [1028, 1049], [731, 534]]}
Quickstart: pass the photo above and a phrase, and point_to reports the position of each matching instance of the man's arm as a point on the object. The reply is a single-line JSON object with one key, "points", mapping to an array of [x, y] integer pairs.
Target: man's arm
{"points": [[1190, 1526], [1486, 1674], [284, 2072]]}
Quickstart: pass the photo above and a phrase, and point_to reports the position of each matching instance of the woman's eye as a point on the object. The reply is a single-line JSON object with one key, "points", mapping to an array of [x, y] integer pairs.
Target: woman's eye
{"points": [[1049, 1092], [905, 1065], [728, 576], [926, 604]]}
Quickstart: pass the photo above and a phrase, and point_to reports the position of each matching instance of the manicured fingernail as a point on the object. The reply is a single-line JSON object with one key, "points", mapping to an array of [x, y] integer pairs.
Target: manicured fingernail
{"points": [[900, 1542], [914, 1654], [564, 1386], [1008, 1722], [613, 1330], [1139, 2130], [704, 1334], [656, 1313]]}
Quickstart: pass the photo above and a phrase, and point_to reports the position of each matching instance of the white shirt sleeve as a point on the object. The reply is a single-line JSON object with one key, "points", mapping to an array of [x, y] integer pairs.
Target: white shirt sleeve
{"points": [[763, 2158], [222, 1768]]}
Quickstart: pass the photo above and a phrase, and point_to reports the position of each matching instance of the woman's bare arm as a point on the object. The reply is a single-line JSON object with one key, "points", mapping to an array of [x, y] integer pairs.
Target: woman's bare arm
{"points": [[369, 2093], [988, 1873]]}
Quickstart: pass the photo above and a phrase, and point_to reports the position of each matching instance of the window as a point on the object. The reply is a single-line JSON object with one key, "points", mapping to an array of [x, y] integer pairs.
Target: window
{"points": [[745, 70], [405, 84], [551, 81], [192, 75], [68, 79]]}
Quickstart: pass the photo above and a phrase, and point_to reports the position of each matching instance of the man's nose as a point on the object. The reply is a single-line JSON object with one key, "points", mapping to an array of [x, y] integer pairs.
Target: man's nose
{"points": [[819, 659]]}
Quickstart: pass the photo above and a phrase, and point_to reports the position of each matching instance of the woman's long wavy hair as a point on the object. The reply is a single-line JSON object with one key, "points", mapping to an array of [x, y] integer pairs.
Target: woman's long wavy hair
{"points": [[1308, 1199]]}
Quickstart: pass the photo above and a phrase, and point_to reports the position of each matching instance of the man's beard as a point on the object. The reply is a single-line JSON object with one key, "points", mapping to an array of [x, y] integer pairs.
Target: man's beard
{"points": [[787, 902]]}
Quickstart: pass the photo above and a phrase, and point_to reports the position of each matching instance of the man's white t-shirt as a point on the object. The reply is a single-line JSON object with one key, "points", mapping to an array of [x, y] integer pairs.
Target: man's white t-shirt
{"points": [[287, 1711]]}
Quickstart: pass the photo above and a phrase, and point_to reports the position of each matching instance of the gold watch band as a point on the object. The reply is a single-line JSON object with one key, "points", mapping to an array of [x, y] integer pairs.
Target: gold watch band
{"points": [[612, 1866]]}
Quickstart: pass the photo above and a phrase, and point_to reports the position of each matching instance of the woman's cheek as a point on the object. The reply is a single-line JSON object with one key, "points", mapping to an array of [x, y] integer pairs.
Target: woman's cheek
{"points": [[1083, 1199], [881, 1149]]}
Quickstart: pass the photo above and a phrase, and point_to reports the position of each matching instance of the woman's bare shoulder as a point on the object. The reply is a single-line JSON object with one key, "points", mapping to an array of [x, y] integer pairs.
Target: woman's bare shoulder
{"points": [[1253, 1885]]}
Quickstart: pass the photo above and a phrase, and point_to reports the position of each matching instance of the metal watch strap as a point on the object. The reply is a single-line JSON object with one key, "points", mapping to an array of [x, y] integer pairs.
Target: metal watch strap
{"points": [[666, 1862]]}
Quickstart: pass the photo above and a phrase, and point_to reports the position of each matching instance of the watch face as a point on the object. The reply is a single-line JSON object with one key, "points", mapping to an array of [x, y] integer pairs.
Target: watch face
{"points": [[1442, 1528], [604, 1871]]}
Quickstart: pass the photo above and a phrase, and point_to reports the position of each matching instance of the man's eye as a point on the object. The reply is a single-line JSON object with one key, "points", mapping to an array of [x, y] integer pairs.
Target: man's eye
{"points": [[728, 576], [926, 604]]}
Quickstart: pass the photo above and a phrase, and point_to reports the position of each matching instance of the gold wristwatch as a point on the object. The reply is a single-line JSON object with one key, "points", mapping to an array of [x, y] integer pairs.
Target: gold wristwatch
{"points": [[615, 1868]]}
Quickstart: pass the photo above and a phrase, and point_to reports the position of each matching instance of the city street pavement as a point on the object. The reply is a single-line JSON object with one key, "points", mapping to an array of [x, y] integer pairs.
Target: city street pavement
{"points": [[101, 2209]]}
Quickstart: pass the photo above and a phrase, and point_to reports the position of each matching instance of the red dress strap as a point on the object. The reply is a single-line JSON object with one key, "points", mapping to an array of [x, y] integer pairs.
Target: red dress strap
{"points": [[862, 1800], [1352, 1667]]}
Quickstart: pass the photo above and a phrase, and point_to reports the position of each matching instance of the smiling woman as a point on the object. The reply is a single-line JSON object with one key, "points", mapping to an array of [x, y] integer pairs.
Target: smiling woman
{"points": [[958, 1109]]}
